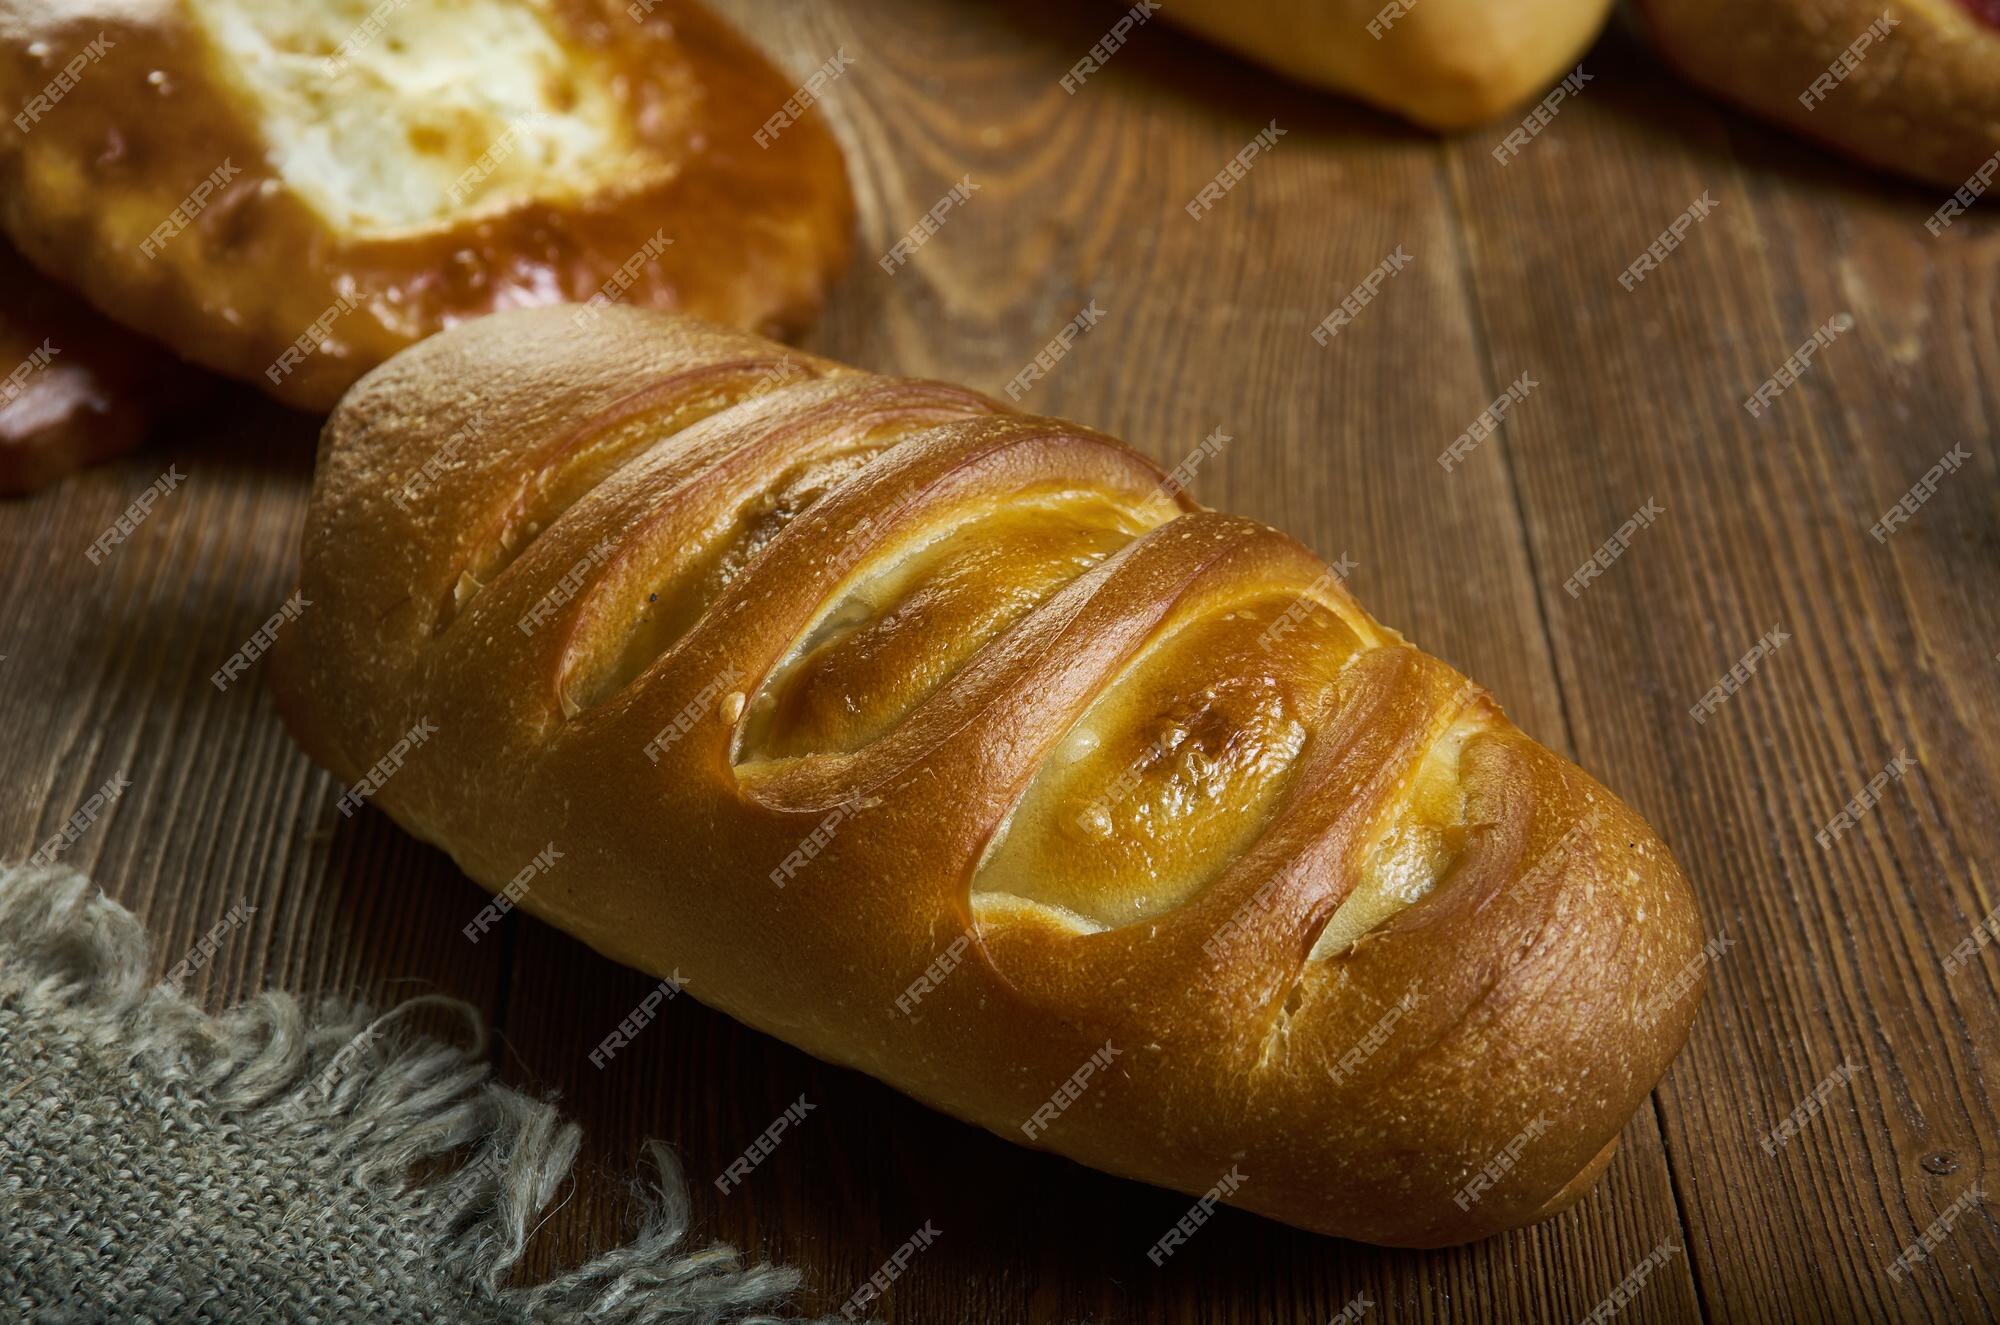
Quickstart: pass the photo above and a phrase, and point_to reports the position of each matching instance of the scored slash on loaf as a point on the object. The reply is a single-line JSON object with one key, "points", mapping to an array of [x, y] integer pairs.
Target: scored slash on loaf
{"points": [[852, 682]]}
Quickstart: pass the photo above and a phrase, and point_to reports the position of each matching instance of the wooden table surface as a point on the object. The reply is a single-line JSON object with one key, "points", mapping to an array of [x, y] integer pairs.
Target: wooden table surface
{"points": [[1832, 983]]}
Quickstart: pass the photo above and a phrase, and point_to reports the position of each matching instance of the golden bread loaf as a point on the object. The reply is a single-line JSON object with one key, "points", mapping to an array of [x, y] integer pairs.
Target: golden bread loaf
{"points": [[1911, 86], [956, 746], [1446, 64]]}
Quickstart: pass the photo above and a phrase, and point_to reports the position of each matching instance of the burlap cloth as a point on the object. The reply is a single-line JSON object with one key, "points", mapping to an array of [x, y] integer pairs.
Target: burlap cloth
{"points": [[158, 1163]]}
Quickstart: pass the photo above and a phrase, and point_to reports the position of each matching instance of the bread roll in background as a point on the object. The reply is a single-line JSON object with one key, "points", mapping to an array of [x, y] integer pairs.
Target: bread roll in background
{"points": [[1910, 86], [1446, 64], [75, 389], [289, 191], [960, 747]]}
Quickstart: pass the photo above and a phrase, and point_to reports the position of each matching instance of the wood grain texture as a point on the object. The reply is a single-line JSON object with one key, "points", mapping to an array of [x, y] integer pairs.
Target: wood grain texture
{"points": [[108, 672], [1837, 951], [1838, 948]]}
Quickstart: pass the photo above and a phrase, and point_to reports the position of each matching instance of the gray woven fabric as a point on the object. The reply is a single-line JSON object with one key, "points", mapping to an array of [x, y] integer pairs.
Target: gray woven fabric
{"points": [[158, 1163]]}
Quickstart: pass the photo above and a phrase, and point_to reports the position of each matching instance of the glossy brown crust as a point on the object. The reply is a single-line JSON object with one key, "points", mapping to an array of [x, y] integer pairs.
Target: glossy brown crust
{"points": [[758, 234], [1527, 970], [1924, 101], [1446, 64], [88, 391]]}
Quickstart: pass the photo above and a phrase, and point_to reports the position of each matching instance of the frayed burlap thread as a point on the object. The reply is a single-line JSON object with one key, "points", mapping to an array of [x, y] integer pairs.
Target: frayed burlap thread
{"points": [[159, 1163]]}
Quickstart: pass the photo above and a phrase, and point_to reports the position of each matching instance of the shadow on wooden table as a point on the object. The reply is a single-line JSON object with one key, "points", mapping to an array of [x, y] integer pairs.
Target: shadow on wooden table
{"points": [[1631, 83], [1028, 1235], [1173, 65], [1654, 104]]}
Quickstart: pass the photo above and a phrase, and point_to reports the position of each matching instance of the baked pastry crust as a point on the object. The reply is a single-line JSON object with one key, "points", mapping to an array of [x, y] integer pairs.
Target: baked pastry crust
{"points": [[75, 389], [1446, 64], [1921, 99], [290, 193], [957, 746]]}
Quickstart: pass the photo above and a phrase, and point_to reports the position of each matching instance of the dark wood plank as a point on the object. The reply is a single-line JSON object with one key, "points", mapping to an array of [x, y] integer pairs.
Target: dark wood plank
{"points": [[108, 671], [1838, 948], [1205, 325]]}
